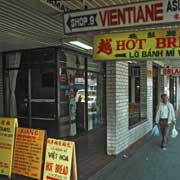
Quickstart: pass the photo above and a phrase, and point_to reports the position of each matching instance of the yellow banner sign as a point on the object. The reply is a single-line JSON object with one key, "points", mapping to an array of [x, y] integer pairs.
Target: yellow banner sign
{"points": [[7, 134], [60, 160], [28, 152], [152, 44]]}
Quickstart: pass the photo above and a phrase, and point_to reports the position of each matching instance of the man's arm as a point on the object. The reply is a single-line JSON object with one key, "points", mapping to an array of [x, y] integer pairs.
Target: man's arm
{"points": [[173, 114]]}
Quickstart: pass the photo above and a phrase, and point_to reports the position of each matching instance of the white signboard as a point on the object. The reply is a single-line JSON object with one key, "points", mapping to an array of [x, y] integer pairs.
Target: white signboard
{"points": [[133, 14]]}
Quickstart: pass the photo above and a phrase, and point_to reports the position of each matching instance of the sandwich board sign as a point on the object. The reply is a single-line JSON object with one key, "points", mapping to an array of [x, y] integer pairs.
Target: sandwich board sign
{"points": [[7, 133], [28, 152], [60, 160], [123, 16]]}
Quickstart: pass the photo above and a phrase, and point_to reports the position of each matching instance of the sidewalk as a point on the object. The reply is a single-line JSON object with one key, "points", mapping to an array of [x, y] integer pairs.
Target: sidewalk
{"points": [[149, 162], [146, 162]]}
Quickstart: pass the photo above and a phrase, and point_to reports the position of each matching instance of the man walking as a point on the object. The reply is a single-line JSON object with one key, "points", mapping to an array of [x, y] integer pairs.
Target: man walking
{"points": [[164, 117]]}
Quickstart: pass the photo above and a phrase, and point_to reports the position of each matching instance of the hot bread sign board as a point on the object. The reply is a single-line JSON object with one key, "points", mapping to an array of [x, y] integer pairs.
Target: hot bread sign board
{"points": [[129, 15]]}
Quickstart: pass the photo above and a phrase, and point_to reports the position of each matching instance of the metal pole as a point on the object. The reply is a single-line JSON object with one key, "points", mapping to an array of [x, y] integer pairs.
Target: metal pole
{"points": [[29, 98]]}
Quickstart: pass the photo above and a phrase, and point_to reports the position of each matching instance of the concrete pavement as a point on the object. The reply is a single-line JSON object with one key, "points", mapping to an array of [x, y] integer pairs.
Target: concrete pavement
{"points": [[149, 162]]}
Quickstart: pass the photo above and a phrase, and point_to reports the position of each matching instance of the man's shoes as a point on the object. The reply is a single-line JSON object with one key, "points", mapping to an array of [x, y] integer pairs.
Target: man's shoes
{"points": [[163, 148]]}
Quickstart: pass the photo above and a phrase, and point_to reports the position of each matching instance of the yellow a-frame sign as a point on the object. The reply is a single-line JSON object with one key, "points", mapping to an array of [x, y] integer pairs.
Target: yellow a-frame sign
{"points": [[60, 160], [7, 134]]}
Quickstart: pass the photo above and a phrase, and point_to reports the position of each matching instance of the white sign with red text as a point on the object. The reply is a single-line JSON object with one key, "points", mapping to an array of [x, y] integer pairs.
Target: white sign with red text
{"points": [[60, 160], [129, 15], [170, 71]]}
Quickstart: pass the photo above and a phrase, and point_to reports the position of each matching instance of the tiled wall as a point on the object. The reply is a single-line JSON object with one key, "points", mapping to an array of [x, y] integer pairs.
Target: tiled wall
{"points": [[119, 137]]}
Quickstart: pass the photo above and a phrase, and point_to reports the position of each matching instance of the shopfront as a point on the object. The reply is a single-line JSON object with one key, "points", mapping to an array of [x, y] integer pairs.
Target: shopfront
{"points": [[60, 90]]}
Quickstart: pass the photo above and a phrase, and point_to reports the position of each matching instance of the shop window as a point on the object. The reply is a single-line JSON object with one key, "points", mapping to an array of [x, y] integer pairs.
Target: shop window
{"points": [[134, 95], [95, 96], [81, 94]]}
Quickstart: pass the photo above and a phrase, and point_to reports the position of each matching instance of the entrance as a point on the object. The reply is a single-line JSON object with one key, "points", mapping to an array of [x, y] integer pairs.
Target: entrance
{"points": [[61, 94], [30, 90]]}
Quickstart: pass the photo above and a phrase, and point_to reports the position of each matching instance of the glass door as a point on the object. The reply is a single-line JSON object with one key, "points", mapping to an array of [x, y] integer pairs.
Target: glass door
{"points": [[72, 101], [95, 100]]}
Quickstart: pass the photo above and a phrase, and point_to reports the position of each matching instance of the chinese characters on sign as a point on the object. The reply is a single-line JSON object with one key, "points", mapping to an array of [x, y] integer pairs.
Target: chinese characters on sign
{"points": [[60, 160], [157, 44], [7, 134], [105, 46], [28, 152], [121, 16]]}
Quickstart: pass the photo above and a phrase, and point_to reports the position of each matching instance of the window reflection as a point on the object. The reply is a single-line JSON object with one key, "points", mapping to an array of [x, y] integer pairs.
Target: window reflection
{"points": [[134, 94], [81, 99]]}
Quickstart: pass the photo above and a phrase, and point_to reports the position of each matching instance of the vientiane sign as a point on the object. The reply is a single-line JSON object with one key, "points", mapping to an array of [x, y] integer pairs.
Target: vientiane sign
{"points": [[153, 44], [129, 15]]}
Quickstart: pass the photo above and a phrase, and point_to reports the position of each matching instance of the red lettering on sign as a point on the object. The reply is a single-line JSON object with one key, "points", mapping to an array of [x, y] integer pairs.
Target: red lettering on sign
{"points": [[141, 43], [103, 17], [3, 122], [60, 169], [173, 71], [121, 17], [170, 42], [52, 178], [130, 44], [49, 166], [128, 11], [29, 132], [140, 15], [105, 46], [113, 17], [8, 123], [132, 14], [149, 13], [158, 11]]}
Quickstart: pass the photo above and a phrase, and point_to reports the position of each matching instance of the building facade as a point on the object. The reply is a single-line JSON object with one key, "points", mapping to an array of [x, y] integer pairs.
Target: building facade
{"points": [[61, 89]]}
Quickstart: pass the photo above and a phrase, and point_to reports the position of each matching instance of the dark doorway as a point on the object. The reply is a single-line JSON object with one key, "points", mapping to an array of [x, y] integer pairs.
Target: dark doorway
{"points": [[155, 90], [173, 90], [30, 88]]}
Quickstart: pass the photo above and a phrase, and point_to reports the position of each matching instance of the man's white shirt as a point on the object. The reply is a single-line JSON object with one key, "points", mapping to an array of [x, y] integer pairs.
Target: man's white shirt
{"points": [[165, 111]]}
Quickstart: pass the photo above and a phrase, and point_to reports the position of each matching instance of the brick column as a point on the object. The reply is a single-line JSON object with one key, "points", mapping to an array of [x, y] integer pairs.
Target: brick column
{"points": [[162, 80], [117, 107], [119, 136]]}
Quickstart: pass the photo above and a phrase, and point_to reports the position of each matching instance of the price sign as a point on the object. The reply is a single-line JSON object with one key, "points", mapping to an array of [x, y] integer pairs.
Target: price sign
{"points": [[7, 134], [28, 152]]}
